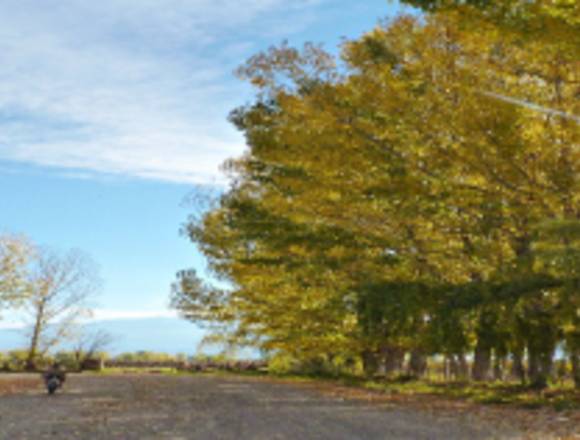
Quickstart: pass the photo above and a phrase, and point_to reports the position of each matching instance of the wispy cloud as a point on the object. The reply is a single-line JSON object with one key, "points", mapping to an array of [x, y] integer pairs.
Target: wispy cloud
{"points": [[18, 322], [10, 325], [106, 314], [130, 87]]}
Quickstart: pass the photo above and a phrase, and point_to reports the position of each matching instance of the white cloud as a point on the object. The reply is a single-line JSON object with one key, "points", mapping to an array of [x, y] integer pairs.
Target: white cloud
{"points": [[11, 325], [106, 314], [130, 87], [16, 322]]}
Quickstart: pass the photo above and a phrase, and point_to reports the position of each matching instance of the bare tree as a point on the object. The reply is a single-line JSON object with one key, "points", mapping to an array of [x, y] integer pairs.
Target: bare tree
{"points": [[88, 344], [61, 287]]}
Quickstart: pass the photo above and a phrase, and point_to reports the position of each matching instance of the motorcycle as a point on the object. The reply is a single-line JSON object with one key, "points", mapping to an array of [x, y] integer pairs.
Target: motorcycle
{"points": [[53, 381], [52, 384]]}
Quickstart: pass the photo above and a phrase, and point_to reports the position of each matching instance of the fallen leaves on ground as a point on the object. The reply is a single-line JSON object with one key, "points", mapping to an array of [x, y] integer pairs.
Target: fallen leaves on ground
{"points": [[17, 384], [533, 423]]}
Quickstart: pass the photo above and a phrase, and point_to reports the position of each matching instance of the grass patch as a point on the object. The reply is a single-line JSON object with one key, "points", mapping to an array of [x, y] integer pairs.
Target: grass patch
{"points": [[560, 398]]}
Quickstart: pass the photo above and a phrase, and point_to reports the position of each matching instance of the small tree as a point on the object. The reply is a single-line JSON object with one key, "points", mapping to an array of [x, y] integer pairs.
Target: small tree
{"points": [[89, 344], [60, 289]]}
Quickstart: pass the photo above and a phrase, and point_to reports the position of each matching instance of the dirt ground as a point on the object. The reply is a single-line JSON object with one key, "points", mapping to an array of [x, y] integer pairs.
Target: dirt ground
{"points": [[215, 407]]}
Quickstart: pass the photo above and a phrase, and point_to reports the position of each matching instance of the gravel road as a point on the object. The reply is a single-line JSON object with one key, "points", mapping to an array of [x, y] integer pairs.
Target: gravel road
{"points": [[211, 407]]}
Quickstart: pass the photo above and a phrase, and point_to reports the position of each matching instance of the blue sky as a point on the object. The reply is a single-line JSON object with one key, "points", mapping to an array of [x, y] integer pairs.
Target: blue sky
{"points": [[111, 112]]}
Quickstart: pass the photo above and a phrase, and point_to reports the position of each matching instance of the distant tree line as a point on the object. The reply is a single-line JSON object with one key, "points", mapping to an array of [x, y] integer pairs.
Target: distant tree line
{"points": [[416, 199], [15, 361]]}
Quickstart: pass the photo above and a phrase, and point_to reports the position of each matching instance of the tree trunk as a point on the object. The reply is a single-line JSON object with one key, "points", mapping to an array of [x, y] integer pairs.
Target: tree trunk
{"points": [[370, 362], [458, 367], [393, 359], [33, 348], [498, 367], [540, 368], [547, 363], [518, 370], [31, 357], [575, 361], [533, 366], [447, 368], [463, 367], [417, 363], [481, 362]]}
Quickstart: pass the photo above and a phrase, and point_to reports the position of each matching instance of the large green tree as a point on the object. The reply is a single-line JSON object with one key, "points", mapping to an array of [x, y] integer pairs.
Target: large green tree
{"points": [[389, 202]]}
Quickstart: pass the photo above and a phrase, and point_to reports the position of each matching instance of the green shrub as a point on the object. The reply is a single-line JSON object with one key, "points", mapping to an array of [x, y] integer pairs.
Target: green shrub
{"points": [[67, 360], [281, 364], [15, 360]]}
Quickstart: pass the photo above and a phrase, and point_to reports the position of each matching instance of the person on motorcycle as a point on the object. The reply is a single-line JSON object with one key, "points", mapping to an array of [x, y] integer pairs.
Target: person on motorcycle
{"points": [[54, 377]]}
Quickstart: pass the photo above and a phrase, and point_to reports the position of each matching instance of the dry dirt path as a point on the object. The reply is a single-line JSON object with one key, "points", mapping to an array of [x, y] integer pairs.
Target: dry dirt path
{"points": [[211, 407]]}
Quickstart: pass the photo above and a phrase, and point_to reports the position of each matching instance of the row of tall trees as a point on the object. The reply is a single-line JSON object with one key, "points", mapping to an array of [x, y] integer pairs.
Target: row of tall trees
{"points": [[50, 293], [419, 196]]}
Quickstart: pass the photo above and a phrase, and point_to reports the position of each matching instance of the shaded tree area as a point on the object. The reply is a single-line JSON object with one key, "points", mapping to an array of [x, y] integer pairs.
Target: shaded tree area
{"points": [[418, 197]]}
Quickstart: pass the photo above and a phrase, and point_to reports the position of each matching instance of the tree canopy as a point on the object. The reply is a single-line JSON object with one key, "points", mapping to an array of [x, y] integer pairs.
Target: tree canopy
{"points": [[420, 195]]}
